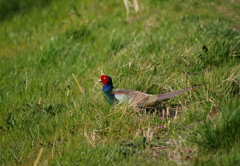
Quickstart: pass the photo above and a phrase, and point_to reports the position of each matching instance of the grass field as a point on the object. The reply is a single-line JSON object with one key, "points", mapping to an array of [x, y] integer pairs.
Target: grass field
{"points": [[49, 118]]}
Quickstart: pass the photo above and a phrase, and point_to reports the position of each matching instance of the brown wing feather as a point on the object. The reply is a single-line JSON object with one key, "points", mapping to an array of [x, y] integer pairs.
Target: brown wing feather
{"points": [[137, 97]]}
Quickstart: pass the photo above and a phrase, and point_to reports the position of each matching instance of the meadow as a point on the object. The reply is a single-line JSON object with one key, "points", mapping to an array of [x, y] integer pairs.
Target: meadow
{"points": [[51, 105]]}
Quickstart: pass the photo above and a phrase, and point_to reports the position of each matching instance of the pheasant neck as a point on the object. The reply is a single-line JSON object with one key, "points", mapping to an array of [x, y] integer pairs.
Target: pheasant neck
{"points": [[108, 93], [107, 87]]}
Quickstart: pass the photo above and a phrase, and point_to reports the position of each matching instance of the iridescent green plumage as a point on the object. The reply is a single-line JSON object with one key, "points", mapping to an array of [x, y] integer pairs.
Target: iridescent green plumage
{"points": [[109, 96]]}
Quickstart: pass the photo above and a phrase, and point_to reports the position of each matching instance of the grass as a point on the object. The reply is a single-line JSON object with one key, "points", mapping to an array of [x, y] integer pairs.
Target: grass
{"points": [[165, 46]]}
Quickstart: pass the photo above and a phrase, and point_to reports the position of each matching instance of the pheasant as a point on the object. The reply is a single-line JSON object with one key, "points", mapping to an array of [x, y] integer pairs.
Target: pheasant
{"points": [[113, 96]]}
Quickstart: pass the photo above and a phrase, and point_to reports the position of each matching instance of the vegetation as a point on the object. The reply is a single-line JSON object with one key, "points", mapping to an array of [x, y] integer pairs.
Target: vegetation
{"points": [[52, 109]]}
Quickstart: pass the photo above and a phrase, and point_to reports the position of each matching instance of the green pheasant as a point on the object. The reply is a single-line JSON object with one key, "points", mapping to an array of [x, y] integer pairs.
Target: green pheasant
{"points": [[114, 96]]}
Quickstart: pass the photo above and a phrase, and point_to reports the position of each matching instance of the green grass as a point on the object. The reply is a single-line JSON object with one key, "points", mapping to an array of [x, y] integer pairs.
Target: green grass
{"points": [[165, 46]]}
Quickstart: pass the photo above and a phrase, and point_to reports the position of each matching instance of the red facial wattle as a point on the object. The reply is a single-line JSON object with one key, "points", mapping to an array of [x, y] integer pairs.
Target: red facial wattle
{"points": [[104, 79]]}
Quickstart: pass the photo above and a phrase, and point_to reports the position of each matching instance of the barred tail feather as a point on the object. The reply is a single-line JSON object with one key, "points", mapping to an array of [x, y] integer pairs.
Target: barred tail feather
{"points": [[175, 93]]}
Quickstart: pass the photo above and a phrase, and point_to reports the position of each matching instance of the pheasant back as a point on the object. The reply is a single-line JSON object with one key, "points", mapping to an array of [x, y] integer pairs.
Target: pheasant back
{"points": [[135, 97]]}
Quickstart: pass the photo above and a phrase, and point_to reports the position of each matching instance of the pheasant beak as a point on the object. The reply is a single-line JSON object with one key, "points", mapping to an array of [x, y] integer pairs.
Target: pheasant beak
{"points": [[100, 80]]}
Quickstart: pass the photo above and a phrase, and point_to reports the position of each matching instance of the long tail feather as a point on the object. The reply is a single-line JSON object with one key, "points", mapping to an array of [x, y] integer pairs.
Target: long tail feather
{"points": [[175, 93]]}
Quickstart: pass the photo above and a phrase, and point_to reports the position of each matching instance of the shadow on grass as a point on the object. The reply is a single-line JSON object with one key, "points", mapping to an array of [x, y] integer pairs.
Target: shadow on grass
{"points": [[164, 111], [10, 8]]}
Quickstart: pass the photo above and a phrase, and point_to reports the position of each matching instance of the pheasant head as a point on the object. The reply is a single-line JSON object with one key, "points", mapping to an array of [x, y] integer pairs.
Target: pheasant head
{"points": [[107, 83]]}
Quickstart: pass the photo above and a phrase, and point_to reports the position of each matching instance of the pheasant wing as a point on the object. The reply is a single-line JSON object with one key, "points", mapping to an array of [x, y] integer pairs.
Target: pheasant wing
{"points": [[136, 97]]}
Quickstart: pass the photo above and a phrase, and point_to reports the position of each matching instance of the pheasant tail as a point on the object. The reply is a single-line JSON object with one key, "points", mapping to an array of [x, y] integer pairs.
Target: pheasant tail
{"points": [[175, 93]]}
